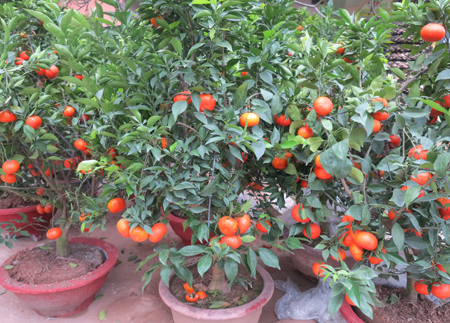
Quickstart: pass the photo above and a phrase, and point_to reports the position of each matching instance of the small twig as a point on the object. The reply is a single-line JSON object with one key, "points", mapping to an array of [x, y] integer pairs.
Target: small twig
{"points": [[408, 82], [185, 125], [347, 190]]}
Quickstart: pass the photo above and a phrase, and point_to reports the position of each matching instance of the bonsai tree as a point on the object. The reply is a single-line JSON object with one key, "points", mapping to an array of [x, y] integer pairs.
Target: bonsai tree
{"points": [[50, 95]]}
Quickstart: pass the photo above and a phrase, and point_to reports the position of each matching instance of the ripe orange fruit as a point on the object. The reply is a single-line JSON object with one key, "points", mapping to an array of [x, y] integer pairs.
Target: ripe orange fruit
{"points": [[348, 60], [10, 167], [54, 233], [305, 132], [158, 232], [376, 126], [6, 116], [80, 144], [34, 122], [227, 225], [318, 270], [84, 118], [356, 252], [421, 178], [446, 100], [300, 27], [375, 260], [24, 55], [296, 214], [418, 152], [48, 208], [282, 120], [261, 228], [365, 240], [323, 106], [421, 288], [380, 115], [154, 23], [70, 163], [40, 209], [138, 234], [80, 77], [9, 178], [52, 72], [83, 217], [315, 231], [40, 71], [321, 173], [440, 290], [116, 205], [244, 73], [233, 241], [123, 228], [40, 191], [348, 239], [279, 163], [382, 100], [304, 183], [207, 102], [69, 111], [432, 32], [244, 222], [183, 97], [18, 61], [317, 161], [340, 50], [342, 255], [395, 140], [249, 118]]}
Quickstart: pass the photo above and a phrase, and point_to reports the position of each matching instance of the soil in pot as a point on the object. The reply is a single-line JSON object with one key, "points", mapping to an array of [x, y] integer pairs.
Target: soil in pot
{"points": [[424, 311], [215, 299], [41, 265], [13, 201], [179, 214]]}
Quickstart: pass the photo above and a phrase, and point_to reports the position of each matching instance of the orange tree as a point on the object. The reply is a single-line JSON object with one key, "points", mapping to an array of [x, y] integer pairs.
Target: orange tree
{"points": [[216, 77], [376, 155], [50, 95]]}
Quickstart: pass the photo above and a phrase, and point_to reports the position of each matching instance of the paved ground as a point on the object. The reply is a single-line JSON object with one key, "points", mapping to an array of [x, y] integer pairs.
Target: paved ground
{"points": [[123, 300]]}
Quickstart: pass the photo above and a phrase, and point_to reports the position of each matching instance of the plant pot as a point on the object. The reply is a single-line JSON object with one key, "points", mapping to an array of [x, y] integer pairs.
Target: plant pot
{"points": [[247, 313], [33, 227], [68, 297], [176, 224], [348, 314], [304, 259]]}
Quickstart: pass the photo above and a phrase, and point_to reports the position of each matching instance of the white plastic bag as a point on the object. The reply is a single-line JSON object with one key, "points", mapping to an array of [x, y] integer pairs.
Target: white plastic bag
{"points": [[309, 305]]}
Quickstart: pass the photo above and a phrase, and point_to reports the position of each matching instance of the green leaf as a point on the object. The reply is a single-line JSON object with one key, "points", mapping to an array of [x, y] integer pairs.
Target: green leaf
{"points": [[398, 235], [290, 169], [89, 102], [252, 261], [357, 174], [240, 96], [335, 302], [129, 4], [411, 194], [341, 149], [39, 16], [268, 258], [231, 269], [204, 264], [102, 315], [219, 304], [98, 297], [192, 250], [55, 30], [248, 239], [266, 76], [8, 266], [202, 13], [294, 243], [73, 265], [441, 163], [178, 108], [165, 274], [81, 19], [444, 75], [178, 47]]}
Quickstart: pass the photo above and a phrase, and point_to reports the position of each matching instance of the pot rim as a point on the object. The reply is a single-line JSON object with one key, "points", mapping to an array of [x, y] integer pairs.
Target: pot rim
{"points": [[348, 313], [112, 256], [220, 314], [174, 218], [19, 209]]}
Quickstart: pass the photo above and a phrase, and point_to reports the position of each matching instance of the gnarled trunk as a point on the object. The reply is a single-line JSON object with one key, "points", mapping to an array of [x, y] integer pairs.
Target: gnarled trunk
{"points": [[219, 281]]}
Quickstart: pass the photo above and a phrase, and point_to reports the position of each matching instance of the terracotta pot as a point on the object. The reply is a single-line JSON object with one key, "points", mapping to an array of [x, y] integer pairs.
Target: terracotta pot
{"points": [[348, 314], [68, 297], [304, 259], [247, 313], [176, 224], [33, 227]]}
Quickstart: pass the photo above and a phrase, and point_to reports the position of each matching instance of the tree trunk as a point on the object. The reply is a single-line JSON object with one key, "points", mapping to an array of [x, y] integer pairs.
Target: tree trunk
{"points": [[218, 282], [411, 294], [62, 244]]}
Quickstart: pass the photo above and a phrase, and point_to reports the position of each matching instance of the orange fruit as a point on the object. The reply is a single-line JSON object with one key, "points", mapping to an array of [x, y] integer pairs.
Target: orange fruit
{"points": [[207, 102], [54, 233], [342, 255], [138, 234], [116, 205], [421, 288], [243, 222], [315, 231], [9, 178], [279, 163], [321, 173], [305, 132], [323, 106], [356, 252], [417, 152], [318, 270], [365, 240], [432, 32], [158, 232], [249, 118], [296, 214], [183, 96], [261, 228], [227, 225], [123, 228], [233, 241], [10, 167]]}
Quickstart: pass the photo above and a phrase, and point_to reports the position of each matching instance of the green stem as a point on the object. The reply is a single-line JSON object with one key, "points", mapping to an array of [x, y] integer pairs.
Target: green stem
{"points": [[62, 244]]}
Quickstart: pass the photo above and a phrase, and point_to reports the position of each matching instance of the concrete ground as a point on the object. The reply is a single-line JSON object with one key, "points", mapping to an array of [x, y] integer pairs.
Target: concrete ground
{"points": [[123, 300]]}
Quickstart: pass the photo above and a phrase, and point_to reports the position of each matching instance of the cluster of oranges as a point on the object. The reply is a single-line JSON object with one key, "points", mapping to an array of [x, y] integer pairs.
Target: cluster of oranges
{"points": [[229, 226], [207, 102], [314, 227]]}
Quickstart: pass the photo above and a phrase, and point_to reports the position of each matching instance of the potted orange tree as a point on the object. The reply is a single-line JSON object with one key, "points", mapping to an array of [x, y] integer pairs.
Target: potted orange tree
{"points": [[208, 114], [381, 157], [49, 97]]}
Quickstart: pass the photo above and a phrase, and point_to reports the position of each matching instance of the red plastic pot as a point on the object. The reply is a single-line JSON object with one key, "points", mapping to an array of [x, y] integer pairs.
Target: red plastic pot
{"points": [[176, 224], [33, 227], [68, 297], [247, 313], [348, 314]]}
